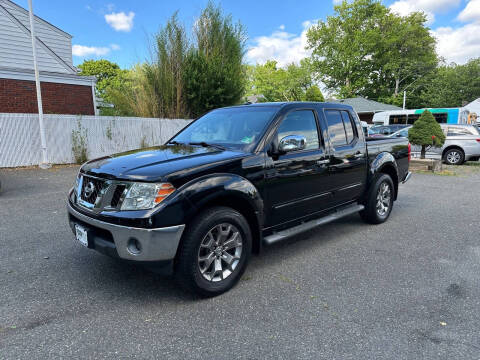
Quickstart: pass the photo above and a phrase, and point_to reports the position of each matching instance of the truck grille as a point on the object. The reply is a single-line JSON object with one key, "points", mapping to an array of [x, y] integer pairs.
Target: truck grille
{"points": [[117, 195], [98, 194], [91, 188]]}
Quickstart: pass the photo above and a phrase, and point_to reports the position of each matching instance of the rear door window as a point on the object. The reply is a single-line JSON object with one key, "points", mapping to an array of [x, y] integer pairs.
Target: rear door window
{"points": [[336, 130], [458, 131], [349, 131]]}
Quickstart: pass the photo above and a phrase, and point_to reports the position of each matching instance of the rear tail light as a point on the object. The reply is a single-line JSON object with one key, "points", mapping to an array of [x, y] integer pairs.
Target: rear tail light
{"points": [[410, 152], [478, 140]]}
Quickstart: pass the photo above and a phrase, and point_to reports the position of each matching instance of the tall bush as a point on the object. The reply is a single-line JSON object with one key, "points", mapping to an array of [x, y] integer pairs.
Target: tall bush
{"points": [[214, 75], [158, 89]]}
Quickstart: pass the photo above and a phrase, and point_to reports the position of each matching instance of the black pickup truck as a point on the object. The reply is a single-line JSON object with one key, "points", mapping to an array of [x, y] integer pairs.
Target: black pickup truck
{"points": [[234, 180]]}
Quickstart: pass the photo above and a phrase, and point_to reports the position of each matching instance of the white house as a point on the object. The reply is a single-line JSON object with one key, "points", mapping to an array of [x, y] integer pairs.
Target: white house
{"points": [[63, 90]]}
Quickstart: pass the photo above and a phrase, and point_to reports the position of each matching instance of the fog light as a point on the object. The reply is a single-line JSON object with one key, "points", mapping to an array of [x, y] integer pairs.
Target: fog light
{"points": [[134, 246]]}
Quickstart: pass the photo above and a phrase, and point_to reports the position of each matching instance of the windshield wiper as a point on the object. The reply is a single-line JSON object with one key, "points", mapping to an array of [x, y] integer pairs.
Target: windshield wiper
{"points": [[173, 142], [205, 144]]}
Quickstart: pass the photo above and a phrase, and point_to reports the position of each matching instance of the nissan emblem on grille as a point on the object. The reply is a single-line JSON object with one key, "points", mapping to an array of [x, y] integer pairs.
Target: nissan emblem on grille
{"points": [[89, 190]]}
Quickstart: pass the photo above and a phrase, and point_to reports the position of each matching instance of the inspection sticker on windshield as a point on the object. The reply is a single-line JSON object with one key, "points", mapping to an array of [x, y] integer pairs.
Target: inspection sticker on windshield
{"points": [[81, 235]]}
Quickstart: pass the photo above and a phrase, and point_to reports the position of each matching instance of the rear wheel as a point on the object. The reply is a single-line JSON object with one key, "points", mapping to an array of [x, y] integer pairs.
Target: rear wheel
{"points": [[454, 157], [214, 252], [379, 202]]}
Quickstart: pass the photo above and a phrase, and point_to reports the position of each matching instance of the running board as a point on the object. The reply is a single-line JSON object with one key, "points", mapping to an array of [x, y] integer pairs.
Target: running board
{"points": [[281, 235]]}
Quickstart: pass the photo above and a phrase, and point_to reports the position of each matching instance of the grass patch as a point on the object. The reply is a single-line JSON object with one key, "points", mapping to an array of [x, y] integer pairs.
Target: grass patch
{"points": [[439, 173], [472, 163]]}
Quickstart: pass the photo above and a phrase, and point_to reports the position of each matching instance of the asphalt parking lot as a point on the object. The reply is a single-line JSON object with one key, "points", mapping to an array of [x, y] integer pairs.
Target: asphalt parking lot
{"points": [[407, 289]]}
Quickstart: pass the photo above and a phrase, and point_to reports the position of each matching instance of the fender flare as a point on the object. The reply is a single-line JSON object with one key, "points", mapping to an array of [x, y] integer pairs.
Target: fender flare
{"points": [[210, 188], [381, 161]]}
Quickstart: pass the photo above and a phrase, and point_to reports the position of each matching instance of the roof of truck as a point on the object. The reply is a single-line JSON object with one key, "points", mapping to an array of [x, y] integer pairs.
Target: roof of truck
{"points": [[303, 103]]}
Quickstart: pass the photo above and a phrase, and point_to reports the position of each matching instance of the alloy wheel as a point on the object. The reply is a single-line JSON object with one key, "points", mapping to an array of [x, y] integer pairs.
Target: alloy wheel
{"points": [[453, 157], [220, 252], [384, 196]]}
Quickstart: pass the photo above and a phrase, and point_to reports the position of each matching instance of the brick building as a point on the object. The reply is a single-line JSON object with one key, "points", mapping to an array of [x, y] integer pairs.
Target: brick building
{"points": [[63, 90]]}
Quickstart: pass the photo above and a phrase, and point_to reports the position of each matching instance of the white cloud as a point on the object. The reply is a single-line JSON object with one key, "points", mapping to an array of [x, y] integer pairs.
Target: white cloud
{"points": [[337, 2], [281, 46], [429, 7], [120, 21], [84, 51], [471, 12], [81, 50], [458, 45], [462, 43], [282, 27]]}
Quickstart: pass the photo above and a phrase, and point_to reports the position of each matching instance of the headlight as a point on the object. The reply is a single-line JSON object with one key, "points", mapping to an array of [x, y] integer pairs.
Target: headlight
{"points": [[143, 196]]}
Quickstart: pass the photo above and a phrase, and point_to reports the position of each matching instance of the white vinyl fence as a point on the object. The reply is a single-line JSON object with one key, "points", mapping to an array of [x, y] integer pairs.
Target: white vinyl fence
{"points": [[20, 136]]}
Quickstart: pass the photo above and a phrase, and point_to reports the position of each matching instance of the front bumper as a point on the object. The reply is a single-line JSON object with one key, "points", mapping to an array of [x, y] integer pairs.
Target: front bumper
{"points": [[151, 245]]}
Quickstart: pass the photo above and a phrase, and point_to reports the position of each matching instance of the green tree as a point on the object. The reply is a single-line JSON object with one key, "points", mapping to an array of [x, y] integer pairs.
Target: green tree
{"points": [[404, 54], [122, 93], [313, 93], [366, 50], [426, 132], [280, 84], [269, 81], [112, 82], [214, 75], [450, 85], [105, 71], [342, 46]]}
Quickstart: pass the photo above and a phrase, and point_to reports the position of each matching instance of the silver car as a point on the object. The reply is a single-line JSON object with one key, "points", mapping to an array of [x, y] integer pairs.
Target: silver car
{"points": [[462, 144]]}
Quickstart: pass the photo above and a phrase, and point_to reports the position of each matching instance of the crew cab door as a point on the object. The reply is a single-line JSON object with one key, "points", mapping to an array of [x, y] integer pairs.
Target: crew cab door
{"points": [[348, 157], [296, 181]]}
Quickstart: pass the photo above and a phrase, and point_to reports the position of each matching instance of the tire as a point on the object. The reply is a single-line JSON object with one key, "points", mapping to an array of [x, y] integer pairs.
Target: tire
{"points": [[203, 248], [379, 201], [454, 157]]}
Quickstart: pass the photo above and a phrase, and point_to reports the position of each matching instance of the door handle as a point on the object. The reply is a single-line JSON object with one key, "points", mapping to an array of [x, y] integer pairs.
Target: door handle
{"points": [[323, 162]]}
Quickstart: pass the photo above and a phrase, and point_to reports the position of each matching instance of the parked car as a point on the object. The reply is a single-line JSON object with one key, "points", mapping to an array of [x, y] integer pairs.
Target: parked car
{"points": [[401, 133], [386, 130], [462, 143], [232, 181]]}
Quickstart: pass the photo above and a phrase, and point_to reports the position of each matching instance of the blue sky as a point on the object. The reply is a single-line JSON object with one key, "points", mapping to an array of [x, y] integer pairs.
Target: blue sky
{"points": [[119, 30]]}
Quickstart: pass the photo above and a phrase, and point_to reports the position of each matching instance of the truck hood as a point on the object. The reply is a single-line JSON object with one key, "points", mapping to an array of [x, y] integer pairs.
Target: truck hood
{"points": [[159, 163]]}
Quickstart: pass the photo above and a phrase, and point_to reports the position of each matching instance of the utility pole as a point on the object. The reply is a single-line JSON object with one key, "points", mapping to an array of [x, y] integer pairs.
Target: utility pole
{"points": [[44, 163], [404, 98]]}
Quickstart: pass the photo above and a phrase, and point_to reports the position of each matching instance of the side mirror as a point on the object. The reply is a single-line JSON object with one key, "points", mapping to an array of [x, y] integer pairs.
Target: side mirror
{"points": [[292, 143]]}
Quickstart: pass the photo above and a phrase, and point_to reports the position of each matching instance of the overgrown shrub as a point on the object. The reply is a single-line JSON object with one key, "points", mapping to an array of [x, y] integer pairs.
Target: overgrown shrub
{"points": [[143, 143], [185, 78], [214, 75]]}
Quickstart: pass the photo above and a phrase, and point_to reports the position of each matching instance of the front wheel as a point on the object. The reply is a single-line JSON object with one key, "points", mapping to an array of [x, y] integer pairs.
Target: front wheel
{"points": [[214, 252], [379, 202]]}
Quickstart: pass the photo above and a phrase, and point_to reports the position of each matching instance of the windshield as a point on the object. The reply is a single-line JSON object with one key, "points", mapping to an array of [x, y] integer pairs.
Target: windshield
{"points": [[239, 128]]}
